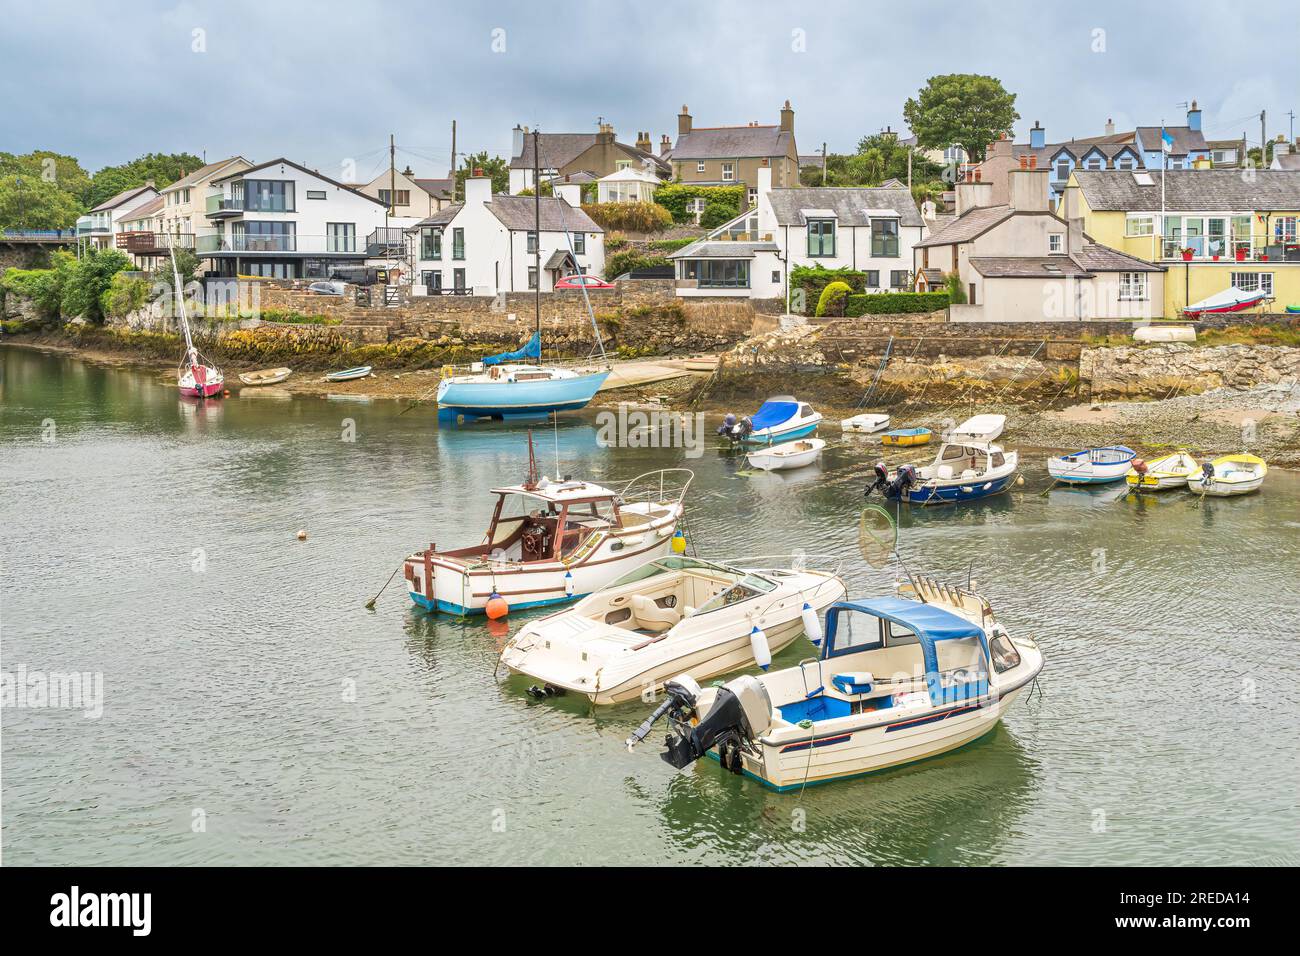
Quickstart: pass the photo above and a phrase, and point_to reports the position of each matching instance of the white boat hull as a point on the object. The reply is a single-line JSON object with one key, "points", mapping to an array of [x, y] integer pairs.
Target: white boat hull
{"points": [[787, 456], [1221, 488], [865, 424], [978, 428]]}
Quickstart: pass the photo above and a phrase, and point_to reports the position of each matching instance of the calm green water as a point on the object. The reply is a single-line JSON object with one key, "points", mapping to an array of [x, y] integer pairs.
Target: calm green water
{"points": [[1168, 709]]}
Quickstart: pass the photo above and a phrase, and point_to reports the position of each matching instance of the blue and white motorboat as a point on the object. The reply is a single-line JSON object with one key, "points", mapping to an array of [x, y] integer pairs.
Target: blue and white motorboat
{"points": [[507, 386], [777, 420], [962, 471], [1092, 466], [897, 679]]}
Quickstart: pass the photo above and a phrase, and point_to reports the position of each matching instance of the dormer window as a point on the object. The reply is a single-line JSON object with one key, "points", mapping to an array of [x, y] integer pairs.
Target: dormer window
{"points": [[1094, 162], [1063, 168]]}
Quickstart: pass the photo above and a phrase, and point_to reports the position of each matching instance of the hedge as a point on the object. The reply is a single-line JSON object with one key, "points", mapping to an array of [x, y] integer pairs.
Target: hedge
{"points": [[833, 298], [629, 216], [888, 303], [623, 262], [813, 279], [675, 196]]}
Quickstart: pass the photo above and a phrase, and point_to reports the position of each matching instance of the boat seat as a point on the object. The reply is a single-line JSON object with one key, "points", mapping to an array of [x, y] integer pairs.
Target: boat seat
{"points": [[970, 473], [650, 616], [853, 684]]}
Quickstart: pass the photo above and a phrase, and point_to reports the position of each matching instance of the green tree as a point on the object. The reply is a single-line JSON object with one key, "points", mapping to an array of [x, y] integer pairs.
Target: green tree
{"points": [[163, 168], [493, 166], [29, 202], [961, 109], [62, 171], [831, 302], [87, 280]]}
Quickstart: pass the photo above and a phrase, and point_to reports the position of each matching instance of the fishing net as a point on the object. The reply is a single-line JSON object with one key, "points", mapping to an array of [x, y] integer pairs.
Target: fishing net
{"points": [[877, 535]]}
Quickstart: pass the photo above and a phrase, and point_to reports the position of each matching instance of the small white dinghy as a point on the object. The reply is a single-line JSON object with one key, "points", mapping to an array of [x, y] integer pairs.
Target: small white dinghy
{"points": [[866, 423], [978, 428], [791, 454], [267, 376], [1229, 475], [1092, 466]]}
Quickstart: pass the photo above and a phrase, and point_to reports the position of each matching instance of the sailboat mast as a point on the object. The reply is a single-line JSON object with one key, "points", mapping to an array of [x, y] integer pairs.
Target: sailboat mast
{"points": [[180, 300], [537, 245]]}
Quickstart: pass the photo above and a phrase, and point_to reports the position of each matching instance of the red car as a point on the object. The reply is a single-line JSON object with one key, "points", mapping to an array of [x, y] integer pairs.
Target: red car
{"points": [[578, 281]]}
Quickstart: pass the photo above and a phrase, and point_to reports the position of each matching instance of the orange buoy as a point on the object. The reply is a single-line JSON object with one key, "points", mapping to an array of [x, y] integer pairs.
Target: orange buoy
{"points": [[496, 607]]}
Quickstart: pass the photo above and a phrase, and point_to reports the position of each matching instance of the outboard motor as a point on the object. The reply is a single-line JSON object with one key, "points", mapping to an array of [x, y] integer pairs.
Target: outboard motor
{"points": [[881, 482], [1207, 472], [727, 425], [742, 429], [1139, 466], [904, 479], [741, 712]]}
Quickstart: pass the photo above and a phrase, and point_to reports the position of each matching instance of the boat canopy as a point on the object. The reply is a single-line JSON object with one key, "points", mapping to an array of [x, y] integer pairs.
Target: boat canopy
{"points": [[930, 624], [532, 350], [774, 413]]}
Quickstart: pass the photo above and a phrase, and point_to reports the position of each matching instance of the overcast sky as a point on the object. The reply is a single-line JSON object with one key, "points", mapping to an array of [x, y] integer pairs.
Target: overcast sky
{"points": [[325, 82]]}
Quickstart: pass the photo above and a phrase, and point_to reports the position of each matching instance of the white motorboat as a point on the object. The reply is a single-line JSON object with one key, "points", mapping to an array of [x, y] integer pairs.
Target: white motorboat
{"points": [[673, 614], [898, 679], [962, 471], [550, 542], [978, 428], [866, 423], [779, 419], [1163, 473], [1228, 476], [791, 454], [1092, 466]]}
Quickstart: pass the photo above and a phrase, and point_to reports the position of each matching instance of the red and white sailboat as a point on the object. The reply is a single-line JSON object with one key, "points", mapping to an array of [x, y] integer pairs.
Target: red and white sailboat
{"points": [[195, 377]]}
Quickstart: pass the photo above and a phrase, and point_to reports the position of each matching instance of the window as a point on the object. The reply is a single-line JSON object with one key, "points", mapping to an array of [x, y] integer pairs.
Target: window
{"points": [[432, 280], [187, 196], [268, 195], [1132, 286], [1284, 229], [315, 194], [884, 238], [403, 197], [532, 244], [1055, 243], [1004, 653], [728, 172], [753, 195], [1253, 282], [1219, 157], [699, 167], [1062, 169], [458, 278], [430, 243], [580, 243], [1139, 225], [970, 295], [532, 277], [1094, 162], [340, 237], [873, 278], [821, 237], [718, 273], [776, 277], [623, 164], [1241, 239], [1126, 162], [263, 236], [898, 279], [458, 245]]}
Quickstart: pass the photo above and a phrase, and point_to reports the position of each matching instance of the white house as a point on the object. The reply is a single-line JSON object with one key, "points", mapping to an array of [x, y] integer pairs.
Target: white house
{"points": [[286, 221], [486, 244], [100, 226], [176, 217], [869, 229]]}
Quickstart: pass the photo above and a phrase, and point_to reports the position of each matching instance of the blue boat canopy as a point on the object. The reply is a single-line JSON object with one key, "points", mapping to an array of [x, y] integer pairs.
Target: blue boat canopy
{"points": [[532, 350], [771, 414], [930, 624]]}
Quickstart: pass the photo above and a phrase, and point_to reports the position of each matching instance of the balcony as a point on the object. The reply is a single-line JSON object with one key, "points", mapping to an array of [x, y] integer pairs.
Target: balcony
{"points": [[1174, 250], [226, 244], [386, 241], [143, 243], [220, 207], [93, 226]]}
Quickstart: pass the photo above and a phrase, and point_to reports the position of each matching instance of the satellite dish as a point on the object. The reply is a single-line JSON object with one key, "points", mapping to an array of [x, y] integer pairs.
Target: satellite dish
{"points": [[877, 535]]}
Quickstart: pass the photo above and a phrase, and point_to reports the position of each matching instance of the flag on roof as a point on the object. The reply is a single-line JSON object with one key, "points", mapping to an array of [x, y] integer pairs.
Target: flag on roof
{"points": [[1166, 141]]}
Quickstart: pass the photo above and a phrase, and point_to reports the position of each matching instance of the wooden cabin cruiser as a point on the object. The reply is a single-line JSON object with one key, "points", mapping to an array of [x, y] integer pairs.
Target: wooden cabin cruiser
{"points": [[551, 542], [1163, 473], [1228, 476], [777, 420], [1092, 466], [898, 679], [672, 614], [962, 471]]}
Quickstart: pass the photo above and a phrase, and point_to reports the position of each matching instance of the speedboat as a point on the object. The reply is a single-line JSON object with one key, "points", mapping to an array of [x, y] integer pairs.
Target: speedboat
{"points": [[1228, 475], [906, 437], [978, 428], [962, 471], [1230, 299], [779, 419], [866, 423], [673, 614], [508, 385], [1163, 473], [898, 679], [1092, 466], [791, 454], [550, 542]]}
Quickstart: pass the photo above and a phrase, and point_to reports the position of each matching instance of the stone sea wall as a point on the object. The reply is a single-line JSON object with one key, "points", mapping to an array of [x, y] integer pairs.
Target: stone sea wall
{"points": [[1156, 371]]}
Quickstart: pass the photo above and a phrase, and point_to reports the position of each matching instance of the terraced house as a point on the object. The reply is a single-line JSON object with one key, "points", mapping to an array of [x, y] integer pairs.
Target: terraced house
{"points": [[178, 215], [1214, 228], [733, 155]]}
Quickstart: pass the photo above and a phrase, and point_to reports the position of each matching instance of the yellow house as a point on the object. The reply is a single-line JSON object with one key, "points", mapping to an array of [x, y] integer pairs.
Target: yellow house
{"points": [[1215, 228]]}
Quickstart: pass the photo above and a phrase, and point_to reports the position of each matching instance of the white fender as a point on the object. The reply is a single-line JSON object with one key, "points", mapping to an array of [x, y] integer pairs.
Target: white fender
{"points": [[568, 584], [811, 625], [758, 644]]}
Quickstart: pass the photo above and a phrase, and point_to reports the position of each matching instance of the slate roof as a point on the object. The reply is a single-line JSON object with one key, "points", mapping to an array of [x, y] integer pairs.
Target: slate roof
{"points": [[1027, 267], [722, 249], [437, 188], [556, 150], [974, 222], [810, 159], [120, 198], [518, 213], [733, 142], [147, 210], [440, 218], [1098, 258], [852, 205], [352, 187], [1192, 190], [1185, 139]]}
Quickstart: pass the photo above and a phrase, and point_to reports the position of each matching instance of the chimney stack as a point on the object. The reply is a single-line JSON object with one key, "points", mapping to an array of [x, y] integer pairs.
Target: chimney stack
{"points": [[643, 142], [665, 144], [1037, 136], [683, 121], [605, 134], [478, 188], [1194, 118], [787, 118], [1110, 127], [973, 195], [1029, 189]]}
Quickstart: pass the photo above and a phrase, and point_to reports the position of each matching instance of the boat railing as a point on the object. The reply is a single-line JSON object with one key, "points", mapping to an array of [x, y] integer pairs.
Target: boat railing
{"points": [[651, 493], [792, 560], [574, 364]]}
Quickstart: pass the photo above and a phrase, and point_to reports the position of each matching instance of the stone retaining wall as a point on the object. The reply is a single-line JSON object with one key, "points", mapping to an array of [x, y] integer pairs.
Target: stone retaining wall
{"points": [[1174, 368]]}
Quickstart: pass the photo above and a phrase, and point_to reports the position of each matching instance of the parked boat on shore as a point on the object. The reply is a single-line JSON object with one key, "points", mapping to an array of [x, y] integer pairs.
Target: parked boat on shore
{"points": [[551, 541], [348, 374], [671, 614], [898, 679], [906, 437], [1092, 466], [961, 471], [267, 376], [786, 456], [1229, 475], [1163, 473], [779, 419], [978, 428], [865, 424]]}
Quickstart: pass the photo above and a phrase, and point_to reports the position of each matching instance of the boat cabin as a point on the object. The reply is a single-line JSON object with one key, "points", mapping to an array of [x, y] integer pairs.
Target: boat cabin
{"points": [[963, 460], [670, 589]]}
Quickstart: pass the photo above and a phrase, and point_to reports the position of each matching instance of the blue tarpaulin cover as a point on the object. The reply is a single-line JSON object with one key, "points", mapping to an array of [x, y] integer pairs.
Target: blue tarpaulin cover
{"points": [[774, 413], [531, 350]]}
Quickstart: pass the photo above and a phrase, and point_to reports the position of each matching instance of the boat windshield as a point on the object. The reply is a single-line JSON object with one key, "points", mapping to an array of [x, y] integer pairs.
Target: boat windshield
{"points": [[748, 587], [671, 564]]}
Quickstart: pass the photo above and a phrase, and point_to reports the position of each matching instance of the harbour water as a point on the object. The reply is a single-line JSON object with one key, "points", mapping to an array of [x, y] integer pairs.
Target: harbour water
{"points": [[254, 712]]}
